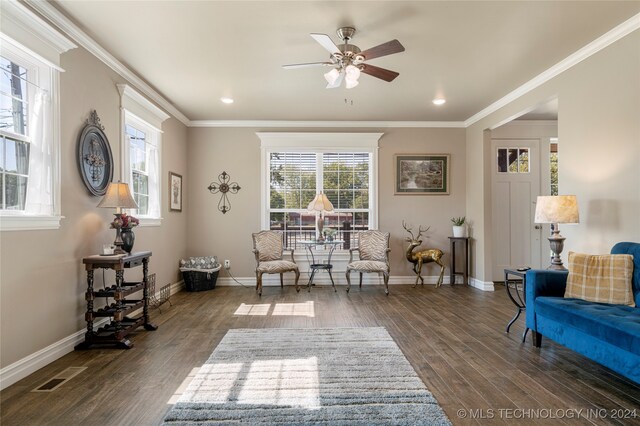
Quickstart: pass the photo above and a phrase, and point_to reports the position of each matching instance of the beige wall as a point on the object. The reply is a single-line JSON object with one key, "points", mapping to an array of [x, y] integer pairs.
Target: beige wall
{"points": [[599, 153], [42, 279], [237, 151]]}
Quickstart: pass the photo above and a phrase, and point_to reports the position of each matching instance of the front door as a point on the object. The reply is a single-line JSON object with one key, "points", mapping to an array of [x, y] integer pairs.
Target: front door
{"points": [[515, 180]]}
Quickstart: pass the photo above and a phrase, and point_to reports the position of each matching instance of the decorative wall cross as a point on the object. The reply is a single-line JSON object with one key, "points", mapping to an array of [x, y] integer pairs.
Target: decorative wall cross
{"points": [[223, 187]]}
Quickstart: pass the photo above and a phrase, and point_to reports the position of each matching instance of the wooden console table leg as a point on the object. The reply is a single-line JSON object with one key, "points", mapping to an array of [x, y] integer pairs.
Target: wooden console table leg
{"points": [[452, 264], [145, 295], [89, 314], [119, 282]]}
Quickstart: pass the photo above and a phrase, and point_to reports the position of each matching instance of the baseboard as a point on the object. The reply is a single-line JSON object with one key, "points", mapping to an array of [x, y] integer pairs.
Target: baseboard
{"points": [[273, 280], [175, 287], [32, 363], [482, 285]]}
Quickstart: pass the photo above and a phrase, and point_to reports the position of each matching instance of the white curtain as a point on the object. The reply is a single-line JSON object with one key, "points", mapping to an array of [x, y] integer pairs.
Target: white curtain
{"points": [[39, 199], [154, 183]]}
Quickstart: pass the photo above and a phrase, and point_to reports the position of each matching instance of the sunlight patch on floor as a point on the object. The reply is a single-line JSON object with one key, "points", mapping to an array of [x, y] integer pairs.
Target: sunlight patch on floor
{"points": [[211, 383], [245, 309], [280, 382], [305, 309], [283, 382], [183, 386]]}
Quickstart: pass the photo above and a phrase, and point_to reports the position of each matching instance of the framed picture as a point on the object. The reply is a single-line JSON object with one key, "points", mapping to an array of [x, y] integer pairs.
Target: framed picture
{"points": [[422, 174], [175, 192]]}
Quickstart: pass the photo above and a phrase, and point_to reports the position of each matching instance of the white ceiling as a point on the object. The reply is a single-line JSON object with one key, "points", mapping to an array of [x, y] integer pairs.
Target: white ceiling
{"points": [[471, 53]]}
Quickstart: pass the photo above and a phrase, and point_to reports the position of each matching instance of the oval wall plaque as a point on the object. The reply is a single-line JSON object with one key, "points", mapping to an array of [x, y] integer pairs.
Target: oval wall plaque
{"points": [[95, 161]]}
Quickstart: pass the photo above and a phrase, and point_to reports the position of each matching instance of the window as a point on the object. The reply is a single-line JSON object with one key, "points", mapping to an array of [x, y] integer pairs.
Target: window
{"points": [[142, 151], [14, 142], [143, 159], [319, 162], [29, 120], [513, 160]]}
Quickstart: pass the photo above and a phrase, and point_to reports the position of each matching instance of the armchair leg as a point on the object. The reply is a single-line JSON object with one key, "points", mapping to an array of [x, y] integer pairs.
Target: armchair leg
{"points": [[360, 279], [386, 282], [536, 338], [281, 281], [297, 277], [259, 284], [348, 275]]}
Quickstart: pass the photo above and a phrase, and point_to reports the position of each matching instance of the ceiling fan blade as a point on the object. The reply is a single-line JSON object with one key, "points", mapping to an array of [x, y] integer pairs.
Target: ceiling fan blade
{"points": [[381, 73], [336, 83], [308, 64], [383, 49], [326, 42]]}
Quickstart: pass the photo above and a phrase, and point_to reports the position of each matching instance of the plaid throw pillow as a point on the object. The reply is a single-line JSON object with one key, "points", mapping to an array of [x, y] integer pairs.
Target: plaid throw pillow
{"points": [[602, 278]]}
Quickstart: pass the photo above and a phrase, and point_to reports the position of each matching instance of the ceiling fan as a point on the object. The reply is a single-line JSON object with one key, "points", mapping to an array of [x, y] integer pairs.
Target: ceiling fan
{"points": [[347, 61]]}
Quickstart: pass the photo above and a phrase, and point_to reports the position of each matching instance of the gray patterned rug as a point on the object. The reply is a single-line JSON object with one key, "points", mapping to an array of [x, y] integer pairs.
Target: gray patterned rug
{"points": [[331, 376]]}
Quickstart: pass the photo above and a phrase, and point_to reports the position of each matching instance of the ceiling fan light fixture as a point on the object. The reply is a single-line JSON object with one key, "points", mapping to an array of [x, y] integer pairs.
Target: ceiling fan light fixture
{"points": [[353, 72], [332, 76], [350, 83]]}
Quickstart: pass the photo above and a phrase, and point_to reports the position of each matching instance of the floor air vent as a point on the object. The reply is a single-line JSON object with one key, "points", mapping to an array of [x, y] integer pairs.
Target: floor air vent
{"points": [[57, 381]]}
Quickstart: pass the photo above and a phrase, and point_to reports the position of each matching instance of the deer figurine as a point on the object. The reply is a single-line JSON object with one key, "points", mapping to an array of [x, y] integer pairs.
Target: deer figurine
{"points": [[419, 258]]}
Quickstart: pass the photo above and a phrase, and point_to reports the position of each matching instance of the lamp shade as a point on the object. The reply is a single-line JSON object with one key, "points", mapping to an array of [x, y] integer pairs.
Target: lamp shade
{"points": [[557, 209], [320, 203], [119, 196]]}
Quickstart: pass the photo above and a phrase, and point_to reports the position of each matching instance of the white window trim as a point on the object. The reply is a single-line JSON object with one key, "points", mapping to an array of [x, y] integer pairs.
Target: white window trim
{"points": [[35, 38], [139, 108], [318, 142]]}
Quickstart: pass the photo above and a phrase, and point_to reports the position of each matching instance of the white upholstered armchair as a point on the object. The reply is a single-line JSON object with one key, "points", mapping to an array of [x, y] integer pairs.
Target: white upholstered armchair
{"points": [[374, 251], [268, 249]]}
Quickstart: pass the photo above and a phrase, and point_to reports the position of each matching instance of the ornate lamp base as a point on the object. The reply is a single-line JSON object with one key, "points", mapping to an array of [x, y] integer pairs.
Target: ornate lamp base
{"points": [[557, 245], [118, 241], [320, 226]]}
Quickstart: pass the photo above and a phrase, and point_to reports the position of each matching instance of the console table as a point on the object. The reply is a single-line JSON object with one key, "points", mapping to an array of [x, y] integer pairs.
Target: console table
{"points": [[452, 264], [116, 331]]}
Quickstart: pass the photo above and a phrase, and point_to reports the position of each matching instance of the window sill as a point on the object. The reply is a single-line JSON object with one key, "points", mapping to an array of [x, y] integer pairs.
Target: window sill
{"points": [[29, 223], [150, 221]]}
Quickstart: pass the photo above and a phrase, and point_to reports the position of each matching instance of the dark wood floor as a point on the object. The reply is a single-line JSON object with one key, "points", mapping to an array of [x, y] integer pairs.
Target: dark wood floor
{"points": [[453, 336]]}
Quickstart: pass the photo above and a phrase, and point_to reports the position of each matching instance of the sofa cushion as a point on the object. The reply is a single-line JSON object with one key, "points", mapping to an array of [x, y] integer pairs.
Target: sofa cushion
{"points": [[615, 324], [600, 278], [634, 250]]}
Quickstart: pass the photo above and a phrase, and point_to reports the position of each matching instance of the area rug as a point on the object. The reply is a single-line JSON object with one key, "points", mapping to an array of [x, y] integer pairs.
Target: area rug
{"points": [[330, 376]]}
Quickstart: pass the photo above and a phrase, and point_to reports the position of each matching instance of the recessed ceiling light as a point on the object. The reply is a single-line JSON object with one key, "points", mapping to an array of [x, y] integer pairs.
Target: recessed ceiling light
{"points": [[439, 101], [226, 100]]}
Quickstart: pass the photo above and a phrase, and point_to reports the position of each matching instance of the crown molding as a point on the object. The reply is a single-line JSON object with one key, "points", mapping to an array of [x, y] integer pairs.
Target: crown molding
{"points": [[18, 14], [318, 124], [68, 27], [622, 30], [533, 123]]}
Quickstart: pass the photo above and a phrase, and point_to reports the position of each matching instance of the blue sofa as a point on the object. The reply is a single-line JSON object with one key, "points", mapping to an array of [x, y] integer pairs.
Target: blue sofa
{"points": [[608, 334]]}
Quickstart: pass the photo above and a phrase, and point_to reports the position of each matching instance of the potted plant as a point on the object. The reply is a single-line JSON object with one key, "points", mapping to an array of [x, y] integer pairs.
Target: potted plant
{"points": [[459, 228], [329, 233]]}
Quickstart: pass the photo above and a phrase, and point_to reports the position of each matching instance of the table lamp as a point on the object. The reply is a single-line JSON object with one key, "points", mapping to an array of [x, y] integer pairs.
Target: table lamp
{"points": [[118, 196], [556, 209], [320, 204]]}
